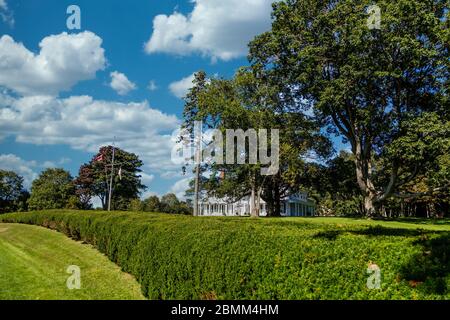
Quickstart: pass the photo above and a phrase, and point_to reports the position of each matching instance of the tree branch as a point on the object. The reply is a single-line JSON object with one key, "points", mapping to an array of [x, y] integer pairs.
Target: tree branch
{"points": [[410, 177], [420, 194], [391, 185]]}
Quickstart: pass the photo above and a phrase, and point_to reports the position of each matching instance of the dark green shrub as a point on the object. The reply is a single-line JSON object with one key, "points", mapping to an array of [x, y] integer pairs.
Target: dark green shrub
{"points": [[182, 257]]}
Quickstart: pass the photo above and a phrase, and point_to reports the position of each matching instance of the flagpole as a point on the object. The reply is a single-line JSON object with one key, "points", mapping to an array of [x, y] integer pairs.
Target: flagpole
{"points": [[112, 175], [198, 159]]}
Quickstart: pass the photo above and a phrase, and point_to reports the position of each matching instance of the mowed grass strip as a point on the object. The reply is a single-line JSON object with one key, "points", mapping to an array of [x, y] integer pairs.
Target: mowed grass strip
{"points": [[184, 257], [34, 262], [400, 223]]}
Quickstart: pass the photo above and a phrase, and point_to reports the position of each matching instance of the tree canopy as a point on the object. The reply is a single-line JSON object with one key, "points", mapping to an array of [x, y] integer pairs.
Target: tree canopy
{"points": [[94, 178], [247, 103], [12, 194], [51, 190], [367, 85]]}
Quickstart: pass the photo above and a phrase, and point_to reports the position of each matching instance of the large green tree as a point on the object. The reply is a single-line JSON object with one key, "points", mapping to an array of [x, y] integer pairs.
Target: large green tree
{"points": [[94, 178], [51, 190], [171, 204], [364, 84], [245, 102], [426, 140], [84, 186], [12, 194], [152, 204]]}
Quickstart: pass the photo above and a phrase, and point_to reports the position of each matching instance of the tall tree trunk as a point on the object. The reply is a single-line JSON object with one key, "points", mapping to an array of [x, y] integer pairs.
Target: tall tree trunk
{"points": [[271, 194], [363, 172], [268, 197], [277, 206], [102, 199], [270, 209], [258, 202], [198, 159], [253, 211], [369, 206]]}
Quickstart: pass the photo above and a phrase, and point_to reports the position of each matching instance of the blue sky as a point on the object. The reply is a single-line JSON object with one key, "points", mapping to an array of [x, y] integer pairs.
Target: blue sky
{"points": [[64, 93]]}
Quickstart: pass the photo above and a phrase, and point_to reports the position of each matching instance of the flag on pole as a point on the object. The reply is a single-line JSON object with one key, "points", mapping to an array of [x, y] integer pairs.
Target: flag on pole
{"points": [[99, 158]]}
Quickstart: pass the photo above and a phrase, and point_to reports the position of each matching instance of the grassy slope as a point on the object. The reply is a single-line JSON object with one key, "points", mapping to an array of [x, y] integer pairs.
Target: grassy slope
{"points": [[178, 257], [34, 260]]}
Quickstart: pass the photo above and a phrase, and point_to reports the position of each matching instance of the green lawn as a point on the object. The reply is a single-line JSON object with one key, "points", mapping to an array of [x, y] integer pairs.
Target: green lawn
{"points": [[401, 223], [34, 261]]}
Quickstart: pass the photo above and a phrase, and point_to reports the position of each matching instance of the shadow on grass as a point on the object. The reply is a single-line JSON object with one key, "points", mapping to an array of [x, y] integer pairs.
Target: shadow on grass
{"points": [[393, 232], [423, 221], [328, 235], [429, 269], [372, 231]]}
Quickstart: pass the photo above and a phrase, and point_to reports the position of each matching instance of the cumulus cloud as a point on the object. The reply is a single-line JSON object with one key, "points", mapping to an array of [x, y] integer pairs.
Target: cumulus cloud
{"points": [[180, 88], [29, 170], [215, 28], [64, 160], [58, 164], [180, 187], [6, 14], [168, 175], [22, 167], [120, 83], [86, 124], [63, 61], [148, 193], [147, 178]]}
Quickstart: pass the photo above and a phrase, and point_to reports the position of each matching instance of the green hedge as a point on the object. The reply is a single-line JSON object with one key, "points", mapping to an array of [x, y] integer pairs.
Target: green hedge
{"points": [[182, 257]]}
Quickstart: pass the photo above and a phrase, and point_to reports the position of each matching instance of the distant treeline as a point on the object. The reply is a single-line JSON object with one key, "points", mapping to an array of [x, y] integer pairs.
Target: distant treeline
{"points": [[55, 188]]}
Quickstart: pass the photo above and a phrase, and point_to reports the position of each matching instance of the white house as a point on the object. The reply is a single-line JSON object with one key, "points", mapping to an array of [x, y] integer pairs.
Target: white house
{"points": [[298, 205]]}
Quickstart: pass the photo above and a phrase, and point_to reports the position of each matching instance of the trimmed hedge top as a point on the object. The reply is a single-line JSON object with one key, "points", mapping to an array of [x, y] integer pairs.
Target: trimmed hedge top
{"points": [[182, 257]]}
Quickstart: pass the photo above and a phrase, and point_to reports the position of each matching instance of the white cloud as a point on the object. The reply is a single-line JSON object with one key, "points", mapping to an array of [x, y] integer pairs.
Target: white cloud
{"points": [[147, 178], [63, 61], [180, 187], [58, 164], [180, 88], [152, 85], [120, 83], [215, 28], [49, 164], [29, 170], [148, 194], [22, 167], [6, 14], [86, 124], [64, 160], [168, 175]]}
